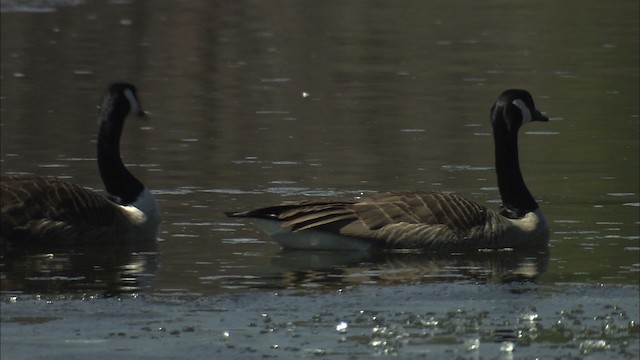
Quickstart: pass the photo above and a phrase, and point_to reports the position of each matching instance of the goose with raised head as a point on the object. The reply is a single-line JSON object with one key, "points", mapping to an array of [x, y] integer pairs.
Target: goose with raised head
{"points": [[423, 220], [49, 211]]}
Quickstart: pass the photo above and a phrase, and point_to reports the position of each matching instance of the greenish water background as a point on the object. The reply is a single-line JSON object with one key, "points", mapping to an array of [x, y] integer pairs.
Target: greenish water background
{"points": [[253, 103]]}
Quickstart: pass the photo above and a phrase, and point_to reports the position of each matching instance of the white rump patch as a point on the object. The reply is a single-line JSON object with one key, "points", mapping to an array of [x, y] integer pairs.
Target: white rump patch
{"points": [[526, 112]]}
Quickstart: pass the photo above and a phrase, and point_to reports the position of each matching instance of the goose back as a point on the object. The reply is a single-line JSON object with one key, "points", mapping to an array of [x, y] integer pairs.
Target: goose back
{"points": [[401, 220], [44, 209]]}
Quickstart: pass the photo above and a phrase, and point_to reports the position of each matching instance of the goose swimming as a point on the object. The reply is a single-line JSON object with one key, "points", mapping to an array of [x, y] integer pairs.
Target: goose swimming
{"points": [[49, 211], [423, 220]]}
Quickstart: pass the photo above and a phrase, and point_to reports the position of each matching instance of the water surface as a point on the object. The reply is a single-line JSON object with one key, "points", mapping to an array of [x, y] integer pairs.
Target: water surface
{"points": [[253, 103]]}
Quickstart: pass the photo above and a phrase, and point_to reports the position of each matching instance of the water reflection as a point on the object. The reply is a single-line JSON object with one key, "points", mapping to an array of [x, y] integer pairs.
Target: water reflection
{"points": [[304, 269], [317, 98], [104, 270]]}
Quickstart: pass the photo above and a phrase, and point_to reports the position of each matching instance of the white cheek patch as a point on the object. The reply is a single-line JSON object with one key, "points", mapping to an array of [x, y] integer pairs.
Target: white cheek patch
{"points": [[135, 105], [526, 113]]}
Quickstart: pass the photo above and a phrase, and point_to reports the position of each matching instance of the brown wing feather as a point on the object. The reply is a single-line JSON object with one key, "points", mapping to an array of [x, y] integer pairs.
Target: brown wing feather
{"points": [[42, 207], [408, 220], [411, 220], [327, 216], [424, 208]]}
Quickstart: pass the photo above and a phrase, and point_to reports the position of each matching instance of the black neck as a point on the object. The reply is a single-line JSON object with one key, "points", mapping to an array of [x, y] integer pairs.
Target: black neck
{"points": [[516, 198], [119, 182]]}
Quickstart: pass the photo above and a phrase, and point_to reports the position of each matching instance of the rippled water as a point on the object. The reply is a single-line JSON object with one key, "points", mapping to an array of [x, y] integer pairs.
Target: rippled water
{"points": [[253, 103]]}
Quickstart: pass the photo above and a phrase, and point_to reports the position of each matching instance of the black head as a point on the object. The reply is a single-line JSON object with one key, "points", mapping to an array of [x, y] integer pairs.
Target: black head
{"points": [[513, 109], [121, 98]]}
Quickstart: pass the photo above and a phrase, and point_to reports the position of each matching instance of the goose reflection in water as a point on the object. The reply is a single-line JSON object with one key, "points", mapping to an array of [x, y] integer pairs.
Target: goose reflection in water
{"points": [[340, 268], [97, 270]]}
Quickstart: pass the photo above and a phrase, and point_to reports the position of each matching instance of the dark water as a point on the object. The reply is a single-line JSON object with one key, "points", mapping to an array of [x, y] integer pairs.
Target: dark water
{"points": [[253, 103]]}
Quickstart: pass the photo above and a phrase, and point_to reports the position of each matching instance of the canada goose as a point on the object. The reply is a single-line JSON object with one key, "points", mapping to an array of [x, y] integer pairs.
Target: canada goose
{"points": [[423, 220], [49, 211]]}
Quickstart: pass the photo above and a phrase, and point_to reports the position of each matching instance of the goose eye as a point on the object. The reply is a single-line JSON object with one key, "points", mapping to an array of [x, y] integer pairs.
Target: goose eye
{"points": [[524, 109]]}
